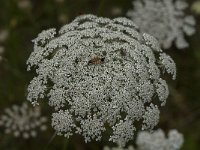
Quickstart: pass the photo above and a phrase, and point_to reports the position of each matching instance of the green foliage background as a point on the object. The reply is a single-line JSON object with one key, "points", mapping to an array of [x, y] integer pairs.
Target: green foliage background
{"points": [[183, 106]]}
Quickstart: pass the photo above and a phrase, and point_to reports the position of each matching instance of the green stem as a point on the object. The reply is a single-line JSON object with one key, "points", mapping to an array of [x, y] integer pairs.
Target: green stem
{"points": [[65, 144], [53, 136]]}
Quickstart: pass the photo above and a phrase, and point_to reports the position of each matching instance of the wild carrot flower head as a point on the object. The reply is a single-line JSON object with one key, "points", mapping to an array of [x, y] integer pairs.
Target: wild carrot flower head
{"points": [[165, 20], [98, 72], [158, 141], [23, 121], [155, 141]]}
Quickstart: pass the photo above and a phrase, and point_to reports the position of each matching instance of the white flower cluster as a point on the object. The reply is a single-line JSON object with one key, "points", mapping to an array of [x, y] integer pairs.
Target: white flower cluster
{"points": [[158, 141], [22, 121], [165, 20], [99, 72], [155, 141]]}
